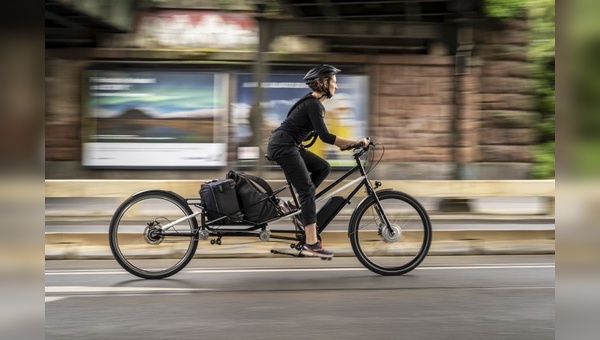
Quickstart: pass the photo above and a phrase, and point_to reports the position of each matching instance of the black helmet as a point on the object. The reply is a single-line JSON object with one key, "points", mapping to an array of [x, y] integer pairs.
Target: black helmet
{"points": [[321, 71]]}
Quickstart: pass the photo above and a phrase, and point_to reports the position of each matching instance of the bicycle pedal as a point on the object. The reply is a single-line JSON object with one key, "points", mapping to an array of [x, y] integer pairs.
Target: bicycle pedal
{"points": [[279, 252]]}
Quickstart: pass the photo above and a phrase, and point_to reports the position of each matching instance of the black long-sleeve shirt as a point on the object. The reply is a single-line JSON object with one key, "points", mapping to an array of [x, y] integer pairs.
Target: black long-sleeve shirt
{"points": [[306, 117]]}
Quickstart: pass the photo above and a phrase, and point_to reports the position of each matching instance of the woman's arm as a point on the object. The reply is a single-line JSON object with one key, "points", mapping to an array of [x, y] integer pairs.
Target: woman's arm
{"points": [[343, 143]]}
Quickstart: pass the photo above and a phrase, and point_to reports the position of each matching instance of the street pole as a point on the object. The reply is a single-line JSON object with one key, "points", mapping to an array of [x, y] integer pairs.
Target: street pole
{"points": [[260, 69]]}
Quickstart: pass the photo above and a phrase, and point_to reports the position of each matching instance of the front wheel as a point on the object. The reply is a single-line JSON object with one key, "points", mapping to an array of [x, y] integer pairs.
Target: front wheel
{"points": [[395, 249], [140, 242]]}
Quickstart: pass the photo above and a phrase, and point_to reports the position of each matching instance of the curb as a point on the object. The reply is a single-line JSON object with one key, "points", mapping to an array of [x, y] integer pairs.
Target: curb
{"points": [[70, 246]]}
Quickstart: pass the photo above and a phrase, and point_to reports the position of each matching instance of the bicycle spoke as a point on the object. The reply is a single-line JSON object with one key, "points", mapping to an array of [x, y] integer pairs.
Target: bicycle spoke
{"points": [[397, 248], [137, 238]]}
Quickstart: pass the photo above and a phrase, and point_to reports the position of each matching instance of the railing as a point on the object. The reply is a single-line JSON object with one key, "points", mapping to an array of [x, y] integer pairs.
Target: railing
{"points": [[450, 189]]}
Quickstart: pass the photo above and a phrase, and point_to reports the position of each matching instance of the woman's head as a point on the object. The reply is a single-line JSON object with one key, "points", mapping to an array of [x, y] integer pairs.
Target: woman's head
{"points": [[322, 79]]}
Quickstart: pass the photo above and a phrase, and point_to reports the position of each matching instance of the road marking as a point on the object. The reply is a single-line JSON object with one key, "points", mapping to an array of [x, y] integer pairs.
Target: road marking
{"points": [[539, 266], [91, 290], [282, 270], [54, 298]]}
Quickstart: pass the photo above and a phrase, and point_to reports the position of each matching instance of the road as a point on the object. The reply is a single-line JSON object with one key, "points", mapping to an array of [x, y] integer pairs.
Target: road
{"points": [[455, 297]]}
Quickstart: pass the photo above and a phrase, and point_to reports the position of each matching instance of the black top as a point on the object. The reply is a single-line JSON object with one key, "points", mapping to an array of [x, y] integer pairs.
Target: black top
{"points": [[306, 117]]}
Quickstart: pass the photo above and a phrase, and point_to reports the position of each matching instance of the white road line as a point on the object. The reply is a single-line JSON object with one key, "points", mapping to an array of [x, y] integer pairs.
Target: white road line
{"points": [[282, 270], [54, 298], [540, 266], [91, 290]]}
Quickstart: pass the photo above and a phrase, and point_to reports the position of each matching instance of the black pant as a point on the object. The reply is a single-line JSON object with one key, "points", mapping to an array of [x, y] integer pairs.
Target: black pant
{"points": [[305, 170]]}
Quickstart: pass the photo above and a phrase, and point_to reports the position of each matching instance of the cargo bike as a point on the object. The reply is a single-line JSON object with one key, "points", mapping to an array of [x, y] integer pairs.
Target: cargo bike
{"points": [[154, 234]]}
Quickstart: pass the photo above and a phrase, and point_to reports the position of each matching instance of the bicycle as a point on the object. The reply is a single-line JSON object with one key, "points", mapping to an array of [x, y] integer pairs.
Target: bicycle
{"points": [[390, 231]]}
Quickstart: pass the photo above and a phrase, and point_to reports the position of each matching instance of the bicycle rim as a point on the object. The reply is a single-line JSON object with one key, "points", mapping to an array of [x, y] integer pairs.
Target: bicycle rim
{"points": [[138, 245], [392, 252]]}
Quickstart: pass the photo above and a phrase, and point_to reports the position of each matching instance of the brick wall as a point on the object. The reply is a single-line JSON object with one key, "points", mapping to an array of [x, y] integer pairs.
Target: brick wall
{"points": [[507, 102], [63, 109], [412, 105], [413, 108]]}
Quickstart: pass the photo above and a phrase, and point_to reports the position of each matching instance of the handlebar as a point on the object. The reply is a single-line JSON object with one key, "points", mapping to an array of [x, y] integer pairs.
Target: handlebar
{"points": [[357, 146]]}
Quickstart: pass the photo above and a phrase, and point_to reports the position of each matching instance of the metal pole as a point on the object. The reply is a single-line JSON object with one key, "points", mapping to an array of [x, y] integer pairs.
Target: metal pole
{"points": [[464, 39], [260, 69]]}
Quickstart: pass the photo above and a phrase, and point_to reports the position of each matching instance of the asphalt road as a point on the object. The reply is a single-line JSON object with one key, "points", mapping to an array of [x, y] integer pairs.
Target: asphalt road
{"points": [[460, 297]]}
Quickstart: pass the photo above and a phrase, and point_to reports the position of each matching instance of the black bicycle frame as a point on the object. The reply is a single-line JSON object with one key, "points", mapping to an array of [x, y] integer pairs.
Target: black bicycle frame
{"points": [[252, 230]]}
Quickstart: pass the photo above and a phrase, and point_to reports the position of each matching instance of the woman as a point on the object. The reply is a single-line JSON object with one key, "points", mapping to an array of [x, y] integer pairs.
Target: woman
{"points": [[305, 170]]}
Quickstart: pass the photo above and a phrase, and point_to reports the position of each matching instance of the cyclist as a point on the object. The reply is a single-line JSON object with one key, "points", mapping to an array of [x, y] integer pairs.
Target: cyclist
{"points": [[304, 169]]}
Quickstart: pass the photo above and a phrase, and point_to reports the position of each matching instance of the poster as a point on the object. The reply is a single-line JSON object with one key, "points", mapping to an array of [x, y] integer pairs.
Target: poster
{"points": [[345, 111], [155, 118]]}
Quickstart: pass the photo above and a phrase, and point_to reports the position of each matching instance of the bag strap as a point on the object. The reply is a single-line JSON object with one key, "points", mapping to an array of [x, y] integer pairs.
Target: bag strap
{"points": [[261, 182], [308, 96]]}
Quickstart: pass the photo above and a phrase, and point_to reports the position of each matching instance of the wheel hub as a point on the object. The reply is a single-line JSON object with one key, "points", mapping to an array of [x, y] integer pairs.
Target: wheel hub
{"points": [[392, 234], [153, 235]]}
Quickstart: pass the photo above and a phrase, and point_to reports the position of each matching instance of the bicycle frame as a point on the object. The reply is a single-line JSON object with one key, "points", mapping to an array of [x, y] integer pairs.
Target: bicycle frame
{"points": [[322, 195], [378, 244]]}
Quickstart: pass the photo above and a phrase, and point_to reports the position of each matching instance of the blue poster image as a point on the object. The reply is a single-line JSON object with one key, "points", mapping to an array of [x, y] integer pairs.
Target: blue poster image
{"points": [[145, 117]]}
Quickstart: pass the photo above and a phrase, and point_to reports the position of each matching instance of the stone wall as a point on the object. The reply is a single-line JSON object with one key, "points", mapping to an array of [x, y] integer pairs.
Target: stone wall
{"points": [[412, 107], [416, 105], [63, 109], [507, 103]]}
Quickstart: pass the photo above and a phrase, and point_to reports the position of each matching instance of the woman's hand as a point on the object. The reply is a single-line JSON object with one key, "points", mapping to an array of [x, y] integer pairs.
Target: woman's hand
{"points": [[363, 141]]}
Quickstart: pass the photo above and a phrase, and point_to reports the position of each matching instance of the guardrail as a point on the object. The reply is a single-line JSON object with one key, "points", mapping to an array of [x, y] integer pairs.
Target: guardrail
{"points": [[450, 189]]}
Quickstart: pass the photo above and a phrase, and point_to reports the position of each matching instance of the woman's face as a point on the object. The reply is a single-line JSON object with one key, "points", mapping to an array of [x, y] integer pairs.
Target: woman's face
{"points": [[332, 84]]}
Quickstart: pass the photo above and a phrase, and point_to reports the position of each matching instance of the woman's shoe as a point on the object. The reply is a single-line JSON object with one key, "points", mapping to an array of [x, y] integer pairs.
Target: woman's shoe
{"points": [[316, 250]]}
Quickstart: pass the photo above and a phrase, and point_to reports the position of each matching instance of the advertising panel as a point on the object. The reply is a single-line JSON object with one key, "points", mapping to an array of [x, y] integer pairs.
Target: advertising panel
{"points": [[345, 112], [155, 118], [160, 28]]}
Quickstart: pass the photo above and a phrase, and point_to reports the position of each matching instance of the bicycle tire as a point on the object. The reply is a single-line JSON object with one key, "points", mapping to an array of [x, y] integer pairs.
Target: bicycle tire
{"points": [[388, 253], [136, 242]]}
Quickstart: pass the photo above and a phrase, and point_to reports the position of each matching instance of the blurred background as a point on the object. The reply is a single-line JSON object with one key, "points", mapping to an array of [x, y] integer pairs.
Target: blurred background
{"points": [[174, 89], [453, 89]]}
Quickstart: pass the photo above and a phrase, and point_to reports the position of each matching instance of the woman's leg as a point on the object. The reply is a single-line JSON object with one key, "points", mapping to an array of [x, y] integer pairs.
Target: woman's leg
{"points": [[318, 167], [297, 173]]}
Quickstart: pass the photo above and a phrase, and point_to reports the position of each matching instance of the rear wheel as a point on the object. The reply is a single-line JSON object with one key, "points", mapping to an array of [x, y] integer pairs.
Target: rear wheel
{"points": [[393, 250], [140, 243]]}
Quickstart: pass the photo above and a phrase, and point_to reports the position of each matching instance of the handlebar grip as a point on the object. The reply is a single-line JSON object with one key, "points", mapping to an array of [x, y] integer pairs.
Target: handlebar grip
{"points": [[349, 147], [354, 146]]}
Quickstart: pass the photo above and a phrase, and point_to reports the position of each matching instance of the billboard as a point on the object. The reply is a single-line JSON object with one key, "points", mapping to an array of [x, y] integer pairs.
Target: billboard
{"points": [[345, 112], [155, 118]]}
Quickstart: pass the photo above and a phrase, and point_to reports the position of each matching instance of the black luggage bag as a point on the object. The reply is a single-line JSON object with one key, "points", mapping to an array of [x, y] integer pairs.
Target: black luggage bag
{"points": [[254, 196], [219, 199]]}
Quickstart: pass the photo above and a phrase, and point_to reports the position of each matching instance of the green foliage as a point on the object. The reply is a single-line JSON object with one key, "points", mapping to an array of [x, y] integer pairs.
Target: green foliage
{"points": [[504, 9], [542, 54], [544, 166], [541, 16]]}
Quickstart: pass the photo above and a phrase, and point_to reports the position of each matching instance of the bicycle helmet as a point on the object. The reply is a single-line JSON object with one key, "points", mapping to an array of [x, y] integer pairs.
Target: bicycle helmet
{"points": [[323, 71]]}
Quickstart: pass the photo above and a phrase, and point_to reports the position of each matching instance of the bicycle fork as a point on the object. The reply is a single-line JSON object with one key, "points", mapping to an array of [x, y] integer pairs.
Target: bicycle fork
{"points": [[386, 231]]}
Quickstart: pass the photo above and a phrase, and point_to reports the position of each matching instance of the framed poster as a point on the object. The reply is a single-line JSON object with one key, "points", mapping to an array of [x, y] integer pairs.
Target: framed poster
{"points": [[155, 118], [346, 110]]}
